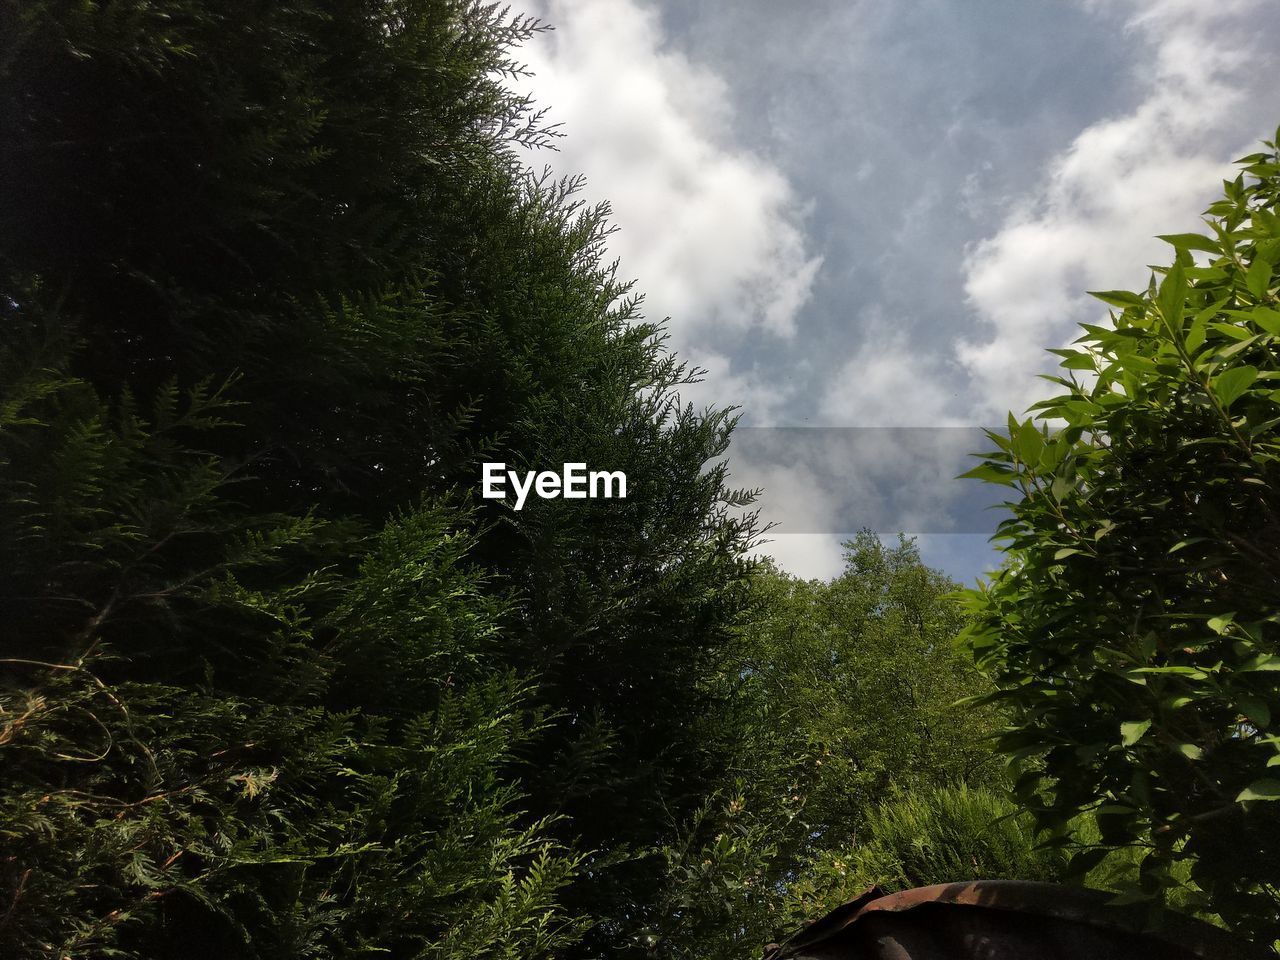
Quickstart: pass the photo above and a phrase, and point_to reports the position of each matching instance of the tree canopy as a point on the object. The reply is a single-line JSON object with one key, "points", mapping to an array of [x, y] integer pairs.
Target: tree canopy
{"points": [[1133, 628], [276, 681], [275, 284]]}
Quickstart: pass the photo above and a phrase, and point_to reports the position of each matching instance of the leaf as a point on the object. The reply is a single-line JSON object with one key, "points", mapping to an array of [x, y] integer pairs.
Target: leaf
{"points": [[1177, 671], [1264, 789], [1118, 298], [1220, 624], [1200, 324], [1267, 319], [1232, 330], [1131, 731], [989, 473], [1173, 296], [1260, 662], [1079, 361], [1258, 278], [1085, 861], [1191, 241], [1256, 710], [1030, 442], [1066, 552], [1229, 352], [1232, 383], [1053, 453]]}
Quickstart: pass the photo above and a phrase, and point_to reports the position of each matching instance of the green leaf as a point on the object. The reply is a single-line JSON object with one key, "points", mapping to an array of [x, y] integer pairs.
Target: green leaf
{"points": [[1084, 861], [1258, 278], [989, 473], [1220, 624], [1230, 384], [1232, 330], [1118, 298], [1191, 241], [1264, 789], [1054, 451], [1030, 442], [1235, 348], [1080, 361], [1131, 731], [1256, 710], [1177, 671], [1173, 296], [1261, 662], [1066, 552], [1200, 324], [1266, 318]]}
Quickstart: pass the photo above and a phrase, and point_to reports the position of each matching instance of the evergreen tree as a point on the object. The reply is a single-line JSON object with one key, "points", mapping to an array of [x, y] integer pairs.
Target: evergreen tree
{"points": [[276, 681]]}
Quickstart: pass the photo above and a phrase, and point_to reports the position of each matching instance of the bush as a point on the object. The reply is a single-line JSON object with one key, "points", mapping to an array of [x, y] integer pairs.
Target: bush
{"points": [[1134, 629]]}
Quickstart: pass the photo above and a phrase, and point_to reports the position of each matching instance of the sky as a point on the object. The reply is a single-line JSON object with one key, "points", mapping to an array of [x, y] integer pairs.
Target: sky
{"points": [[875, 216]]}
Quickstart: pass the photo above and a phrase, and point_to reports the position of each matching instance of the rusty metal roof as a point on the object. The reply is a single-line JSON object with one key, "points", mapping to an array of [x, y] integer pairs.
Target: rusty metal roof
{"points": [[1006, 920]]}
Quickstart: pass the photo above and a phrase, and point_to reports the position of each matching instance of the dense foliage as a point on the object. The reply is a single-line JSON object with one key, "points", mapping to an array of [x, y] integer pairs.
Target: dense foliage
{"points": [[274, 284], [845, 708], [276, 683], [1133, 629]]}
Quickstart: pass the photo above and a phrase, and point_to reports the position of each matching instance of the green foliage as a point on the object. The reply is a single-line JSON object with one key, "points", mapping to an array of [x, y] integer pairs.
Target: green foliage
{"points": [[934, 835], [275, 680], [1133, 629], [234, 807], [844, 699], [198, 760], [861, 673]]}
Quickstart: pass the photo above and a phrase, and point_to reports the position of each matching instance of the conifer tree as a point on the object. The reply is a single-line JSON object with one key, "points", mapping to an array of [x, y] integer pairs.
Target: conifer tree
{"points": [[276, 682]]}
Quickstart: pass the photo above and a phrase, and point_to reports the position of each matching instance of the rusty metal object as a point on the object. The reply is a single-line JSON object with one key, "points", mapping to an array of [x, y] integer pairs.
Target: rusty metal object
{"points": [[1005, 920]]}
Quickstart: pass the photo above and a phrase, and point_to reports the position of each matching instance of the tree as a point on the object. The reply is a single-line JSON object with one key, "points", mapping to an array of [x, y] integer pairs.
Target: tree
{"points": [[297, 796], [1133, 627], [274, 285], [845, 701]]}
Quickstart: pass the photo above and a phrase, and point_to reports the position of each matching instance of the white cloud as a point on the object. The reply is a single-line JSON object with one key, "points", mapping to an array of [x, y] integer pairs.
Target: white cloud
{"points": [[795, 499], [811, 556], [1123, 180], [758, 396], [891, 382], [712, 232]]}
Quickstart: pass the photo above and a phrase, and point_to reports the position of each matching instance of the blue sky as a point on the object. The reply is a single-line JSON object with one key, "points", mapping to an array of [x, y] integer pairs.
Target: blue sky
{"points": [[880, 213]]}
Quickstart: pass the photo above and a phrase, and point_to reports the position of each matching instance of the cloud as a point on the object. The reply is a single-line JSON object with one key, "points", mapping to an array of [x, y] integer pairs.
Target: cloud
{"points": [[964, 201], [891, 382], [760, 396], [1152, 170], [841, 479], [712, 231], [810, 556]]}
